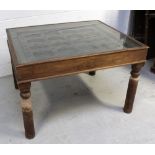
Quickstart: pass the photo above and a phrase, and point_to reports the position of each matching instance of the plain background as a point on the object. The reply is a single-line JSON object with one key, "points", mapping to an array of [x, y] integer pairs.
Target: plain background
{"points": [[9, 19]]}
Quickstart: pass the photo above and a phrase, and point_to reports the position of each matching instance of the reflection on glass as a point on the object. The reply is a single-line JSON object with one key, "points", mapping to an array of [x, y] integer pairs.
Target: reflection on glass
{"points": [[66, 40]]}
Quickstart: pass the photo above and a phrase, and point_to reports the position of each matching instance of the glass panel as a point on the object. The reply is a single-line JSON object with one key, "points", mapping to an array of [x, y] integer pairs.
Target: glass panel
{"points": [[66, 40]]}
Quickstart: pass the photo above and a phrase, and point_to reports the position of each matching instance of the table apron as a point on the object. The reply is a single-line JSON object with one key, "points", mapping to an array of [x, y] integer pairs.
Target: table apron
{"points": [[44, 70]]}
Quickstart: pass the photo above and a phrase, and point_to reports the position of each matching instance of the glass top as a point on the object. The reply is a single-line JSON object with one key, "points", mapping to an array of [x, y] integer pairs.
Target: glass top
{"points": [[57, 41]]}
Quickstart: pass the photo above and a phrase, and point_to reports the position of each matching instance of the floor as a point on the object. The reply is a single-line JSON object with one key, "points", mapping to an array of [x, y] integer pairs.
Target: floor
{"points": [[82, 109]]}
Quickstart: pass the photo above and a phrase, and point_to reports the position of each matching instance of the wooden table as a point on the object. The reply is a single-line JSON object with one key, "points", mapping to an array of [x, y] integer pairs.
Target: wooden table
{"points": [[47, 51]]}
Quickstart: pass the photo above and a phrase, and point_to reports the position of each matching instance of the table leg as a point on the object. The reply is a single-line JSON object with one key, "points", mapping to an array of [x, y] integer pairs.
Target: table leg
{"points": [[27, 110], [92, 73], [132, 87], [153, 67]]}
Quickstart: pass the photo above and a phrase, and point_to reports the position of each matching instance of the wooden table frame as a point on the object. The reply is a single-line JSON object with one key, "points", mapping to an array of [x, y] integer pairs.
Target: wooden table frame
{"points": [[24, 74]]}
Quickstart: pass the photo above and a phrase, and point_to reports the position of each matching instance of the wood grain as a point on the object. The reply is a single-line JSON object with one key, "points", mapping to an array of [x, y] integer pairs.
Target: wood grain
{"points": [[132, 87], [49, 69]]}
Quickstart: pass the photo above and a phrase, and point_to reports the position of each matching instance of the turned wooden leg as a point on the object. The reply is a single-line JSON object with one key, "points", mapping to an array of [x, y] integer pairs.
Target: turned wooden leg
{"points": [[27, 110], [92, 73], [132, 87], [14, 77], [153, 67]]}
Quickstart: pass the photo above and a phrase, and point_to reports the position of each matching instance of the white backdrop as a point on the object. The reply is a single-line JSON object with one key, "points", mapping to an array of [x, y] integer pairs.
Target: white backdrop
{"points": [[8, 19]]}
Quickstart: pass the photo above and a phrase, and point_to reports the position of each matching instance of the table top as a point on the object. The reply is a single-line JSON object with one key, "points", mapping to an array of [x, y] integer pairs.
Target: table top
{"points": [[66, 40]]}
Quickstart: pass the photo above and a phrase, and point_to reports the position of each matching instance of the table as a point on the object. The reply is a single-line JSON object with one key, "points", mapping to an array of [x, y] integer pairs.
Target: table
{"points": [[47, 51]]}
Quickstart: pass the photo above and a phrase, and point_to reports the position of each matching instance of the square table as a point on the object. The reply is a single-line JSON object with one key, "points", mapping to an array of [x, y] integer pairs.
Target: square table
{"points": [[53, 50]]}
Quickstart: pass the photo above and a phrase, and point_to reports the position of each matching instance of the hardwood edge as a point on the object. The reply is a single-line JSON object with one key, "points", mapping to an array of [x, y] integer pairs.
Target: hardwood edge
{"points": [[77, 57], [12, 49], [74, 73]]}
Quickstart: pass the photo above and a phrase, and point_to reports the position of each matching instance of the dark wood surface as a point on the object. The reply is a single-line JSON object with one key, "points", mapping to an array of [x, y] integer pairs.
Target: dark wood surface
{"points": [[34, 72], [131, 52], [132, 87], [92, 73], [27, 110]]}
